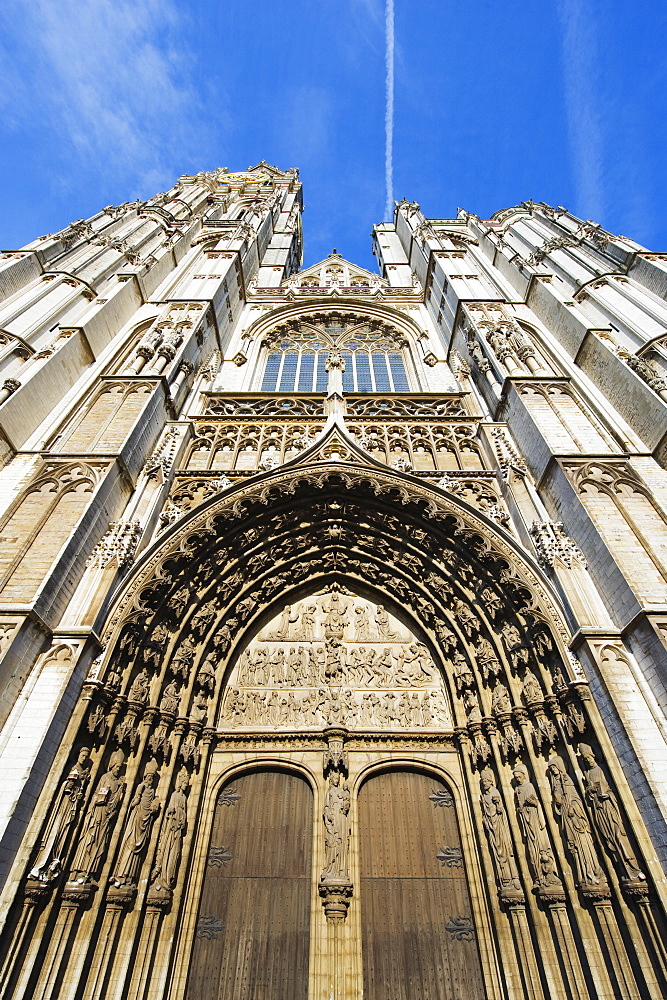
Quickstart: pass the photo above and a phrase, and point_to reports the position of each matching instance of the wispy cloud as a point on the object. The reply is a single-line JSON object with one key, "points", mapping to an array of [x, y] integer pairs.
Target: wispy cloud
{"points": [[111, 77], [389, 111], [585, 116]]}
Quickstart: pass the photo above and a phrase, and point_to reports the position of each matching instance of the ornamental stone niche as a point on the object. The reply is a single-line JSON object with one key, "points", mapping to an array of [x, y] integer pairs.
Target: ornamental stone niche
{"points": [[332, 654]]}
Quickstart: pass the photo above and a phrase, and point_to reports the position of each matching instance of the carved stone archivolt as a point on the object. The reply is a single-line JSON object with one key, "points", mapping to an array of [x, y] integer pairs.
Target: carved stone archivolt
{"points": [[329, 598]]}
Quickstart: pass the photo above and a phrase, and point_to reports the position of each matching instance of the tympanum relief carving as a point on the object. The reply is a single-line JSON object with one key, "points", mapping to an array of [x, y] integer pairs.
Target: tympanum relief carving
{"points": [[335, 659]]}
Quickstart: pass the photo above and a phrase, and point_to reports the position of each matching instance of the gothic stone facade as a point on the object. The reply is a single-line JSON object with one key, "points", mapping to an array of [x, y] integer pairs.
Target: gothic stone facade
{"points": [[333, 607]]}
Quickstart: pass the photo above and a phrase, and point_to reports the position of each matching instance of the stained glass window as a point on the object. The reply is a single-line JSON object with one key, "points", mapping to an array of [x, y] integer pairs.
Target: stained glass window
{"points": [[372, 361]]}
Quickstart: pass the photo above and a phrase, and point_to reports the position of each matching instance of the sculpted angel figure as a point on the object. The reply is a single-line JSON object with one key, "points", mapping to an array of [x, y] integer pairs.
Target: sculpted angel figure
{"points": [[336, 829], [574, 823], [607, 816], [99, 822]]}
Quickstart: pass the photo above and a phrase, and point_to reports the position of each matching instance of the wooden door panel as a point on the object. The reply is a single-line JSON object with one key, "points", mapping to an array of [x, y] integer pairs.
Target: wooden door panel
{"points": [[254, 917], [417, 931]]}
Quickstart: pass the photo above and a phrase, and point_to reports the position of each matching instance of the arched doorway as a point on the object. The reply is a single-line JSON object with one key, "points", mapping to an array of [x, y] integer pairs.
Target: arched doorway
{"points": [[253, 928], [418, 934]]}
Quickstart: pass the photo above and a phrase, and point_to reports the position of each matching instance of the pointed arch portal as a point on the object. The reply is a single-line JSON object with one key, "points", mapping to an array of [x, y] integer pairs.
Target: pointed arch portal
{"points": [[381, 675]]}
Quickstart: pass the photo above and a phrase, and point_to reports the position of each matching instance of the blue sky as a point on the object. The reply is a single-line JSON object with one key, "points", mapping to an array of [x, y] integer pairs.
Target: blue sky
{"points": [[495, 102]]}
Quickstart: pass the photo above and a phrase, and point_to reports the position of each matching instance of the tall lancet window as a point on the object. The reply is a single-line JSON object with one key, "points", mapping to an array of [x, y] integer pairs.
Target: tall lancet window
{"points": [[377, 359]]}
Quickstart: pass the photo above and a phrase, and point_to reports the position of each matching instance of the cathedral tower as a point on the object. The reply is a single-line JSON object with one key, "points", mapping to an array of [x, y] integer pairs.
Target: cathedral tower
{"points": [[333, 607]]}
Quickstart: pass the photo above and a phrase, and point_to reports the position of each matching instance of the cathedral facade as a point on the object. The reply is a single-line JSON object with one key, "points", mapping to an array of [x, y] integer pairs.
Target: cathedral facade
{"points": [[333, 607]]}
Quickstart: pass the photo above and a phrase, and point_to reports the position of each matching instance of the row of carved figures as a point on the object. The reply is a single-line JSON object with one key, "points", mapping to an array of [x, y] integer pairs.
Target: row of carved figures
{"points": [[578, 826], [358, 666], [297, 623], [317, 708], [92, 842], [582, 829]]}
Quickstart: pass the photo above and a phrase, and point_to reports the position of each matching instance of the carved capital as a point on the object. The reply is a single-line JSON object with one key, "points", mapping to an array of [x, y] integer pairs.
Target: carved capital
{"points": [[336, 896]]}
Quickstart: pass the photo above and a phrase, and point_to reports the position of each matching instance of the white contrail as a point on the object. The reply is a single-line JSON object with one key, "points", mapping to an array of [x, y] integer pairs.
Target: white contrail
{"points": [[389, 111]]}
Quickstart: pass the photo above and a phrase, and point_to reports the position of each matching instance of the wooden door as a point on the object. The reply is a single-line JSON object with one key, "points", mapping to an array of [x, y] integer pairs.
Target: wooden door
{"points": [[253, 929], [418, 935]]}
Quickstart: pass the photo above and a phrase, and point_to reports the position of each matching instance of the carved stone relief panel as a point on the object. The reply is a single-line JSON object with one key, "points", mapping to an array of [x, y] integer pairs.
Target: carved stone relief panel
{"points": [[335, 659]]}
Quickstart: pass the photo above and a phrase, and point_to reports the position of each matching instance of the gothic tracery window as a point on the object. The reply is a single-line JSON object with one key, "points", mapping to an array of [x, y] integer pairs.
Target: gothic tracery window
{"points": [[376, 359]]}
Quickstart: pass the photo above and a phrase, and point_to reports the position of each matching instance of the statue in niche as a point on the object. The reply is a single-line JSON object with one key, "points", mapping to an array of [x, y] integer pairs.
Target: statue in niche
{"points": [[53, 846], [383, 624], [183, 659], [463, 675], [140, 688], [144, 808], [170, 844], [518, 652], [487, 660], [471, 705], [206, 674], [497, 830], [533, 827], [574, 823], [224, 635], [308, 622], [362, 624], [336, 829], [607, 815], [178, 602], [199, 707], [500, 699], [203, 618], [100, 818], [532, 690]]}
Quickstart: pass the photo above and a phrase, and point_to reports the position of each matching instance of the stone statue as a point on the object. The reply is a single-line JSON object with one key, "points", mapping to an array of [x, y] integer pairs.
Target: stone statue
{"points": [[574, 824], [206, 674], [533, 827], [144, 807], [531, 690], [336, 829], [53, 846], [308, 622], [171, 837], [487, 660], [362, 624], [100, 818], [170, 700], [500, 699], [139, 689], [471, 704], [607, 816], [497, 829], [463, 675], [383, 623]]}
